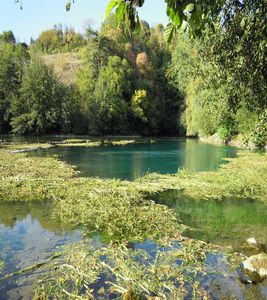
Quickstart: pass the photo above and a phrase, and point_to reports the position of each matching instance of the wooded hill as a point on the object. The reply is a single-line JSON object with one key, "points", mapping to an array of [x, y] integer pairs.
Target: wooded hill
{"points": [[116, 81]]}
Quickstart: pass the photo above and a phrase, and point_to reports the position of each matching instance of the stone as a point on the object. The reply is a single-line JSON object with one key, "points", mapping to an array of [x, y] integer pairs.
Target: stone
{"points": [[256, 266], [252, 241], [251, 247]]}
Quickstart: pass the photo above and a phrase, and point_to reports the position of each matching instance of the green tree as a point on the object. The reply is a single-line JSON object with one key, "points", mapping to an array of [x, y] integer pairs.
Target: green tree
{"points": [[37, 109], [50, 41], [8, 83], [222, 74], [109, 109], [8, 37]]}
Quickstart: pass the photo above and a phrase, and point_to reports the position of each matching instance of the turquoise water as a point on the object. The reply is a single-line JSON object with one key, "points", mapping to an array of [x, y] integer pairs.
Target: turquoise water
{"points": [[134, 160]]}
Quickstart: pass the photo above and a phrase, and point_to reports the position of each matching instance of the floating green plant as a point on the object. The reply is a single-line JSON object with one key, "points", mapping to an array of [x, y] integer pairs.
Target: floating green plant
{"points": [[88, 272]]}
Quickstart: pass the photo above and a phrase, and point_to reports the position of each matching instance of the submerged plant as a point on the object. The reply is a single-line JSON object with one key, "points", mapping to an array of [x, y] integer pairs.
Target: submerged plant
{"points": [[86, 271], [2, 265]]}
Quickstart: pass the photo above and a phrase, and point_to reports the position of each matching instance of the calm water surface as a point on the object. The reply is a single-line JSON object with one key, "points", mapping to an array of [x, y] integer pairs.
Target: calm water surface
{"points": [[135, 160], [28, 235], [228, 222]]}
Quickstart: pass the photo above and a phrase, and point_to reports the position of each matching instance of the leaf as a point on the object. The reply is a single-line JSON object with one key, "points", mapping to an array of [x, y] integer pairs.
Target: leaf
{"points": [[140, 3], [169, 32], [195, 20], [189, 8], [68, 5], [243, 22], [120, 11], [176, 15], [110, 7], [137, 24], [184, 26], [177, 19]]}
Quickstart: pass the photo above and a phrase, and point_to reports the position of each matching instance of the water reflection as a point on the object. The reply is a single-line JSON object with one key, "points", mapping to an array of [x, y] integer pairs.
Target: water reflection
{"points": [[227, 222], [135, 160], [28, 235], [205, 157]]}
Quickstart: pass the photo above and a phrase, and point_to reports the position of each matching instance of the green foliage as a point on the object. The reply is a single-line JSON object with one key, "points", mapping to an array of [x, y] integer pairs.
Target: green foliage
{"points": [[7, 81], [59, 39], [109, 108], [13, 59], [224, 133], [38, 107], [105, 87], [140, 104], [240, 53], [8, 37], [217, 66], [222, 77], [50, 40], [184, 15], [259, 133]]}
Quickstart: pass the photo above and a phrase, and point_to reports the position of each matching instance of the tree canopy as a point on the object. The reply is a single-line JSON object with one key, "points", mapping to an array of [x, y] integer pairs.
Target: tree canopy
{"points": [[209, 79]]}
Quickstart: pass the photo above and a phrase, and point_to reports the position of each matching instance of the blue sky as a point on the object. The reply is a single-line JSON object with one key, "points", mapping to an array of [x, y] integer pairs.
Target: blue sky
{"points": [[38, 15]]}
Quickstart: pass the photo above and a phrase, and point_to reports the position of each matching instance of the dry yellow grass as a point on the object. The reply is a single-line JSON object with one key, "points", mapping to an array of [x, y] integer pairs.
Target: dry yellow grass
{"points": [[65, 65]]}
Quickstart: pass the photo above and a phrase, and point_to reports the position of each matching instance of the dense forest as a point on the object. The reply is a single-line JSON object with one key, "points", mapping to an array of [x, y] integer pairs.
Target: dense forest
{"points": [[207, 83]]}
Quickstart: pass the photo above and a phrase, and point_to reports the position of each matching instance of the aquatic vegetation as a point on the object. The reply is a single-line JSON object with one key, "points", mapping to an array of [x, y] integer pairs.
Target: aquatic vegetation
{"points": [[75, 142], [25, 178], [112, 206], [124, 212], [79, 144], [22, 166], [2, 264], [100, 142], [33, 267], [116, 208], [86, 271], [27, 147], [243, 177]]}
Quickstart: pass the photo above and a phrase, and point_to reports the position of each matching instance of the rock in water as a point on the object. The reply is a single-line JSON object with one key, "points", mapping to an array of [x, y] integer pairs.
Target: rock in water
{"points": [[251, 247], [252, 241], [256, 266]]}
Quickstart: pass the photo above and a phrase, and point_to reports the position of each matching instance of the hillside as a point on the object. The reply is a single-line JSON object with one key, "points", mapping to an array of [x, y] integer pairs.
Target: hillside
{"points": [[65, 65]]}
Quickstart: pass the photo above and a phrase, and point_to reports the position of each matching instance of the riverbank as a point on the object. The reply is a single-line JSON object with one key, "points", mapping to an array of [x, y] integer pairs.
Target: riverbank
{"points": [[236, 141]]}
